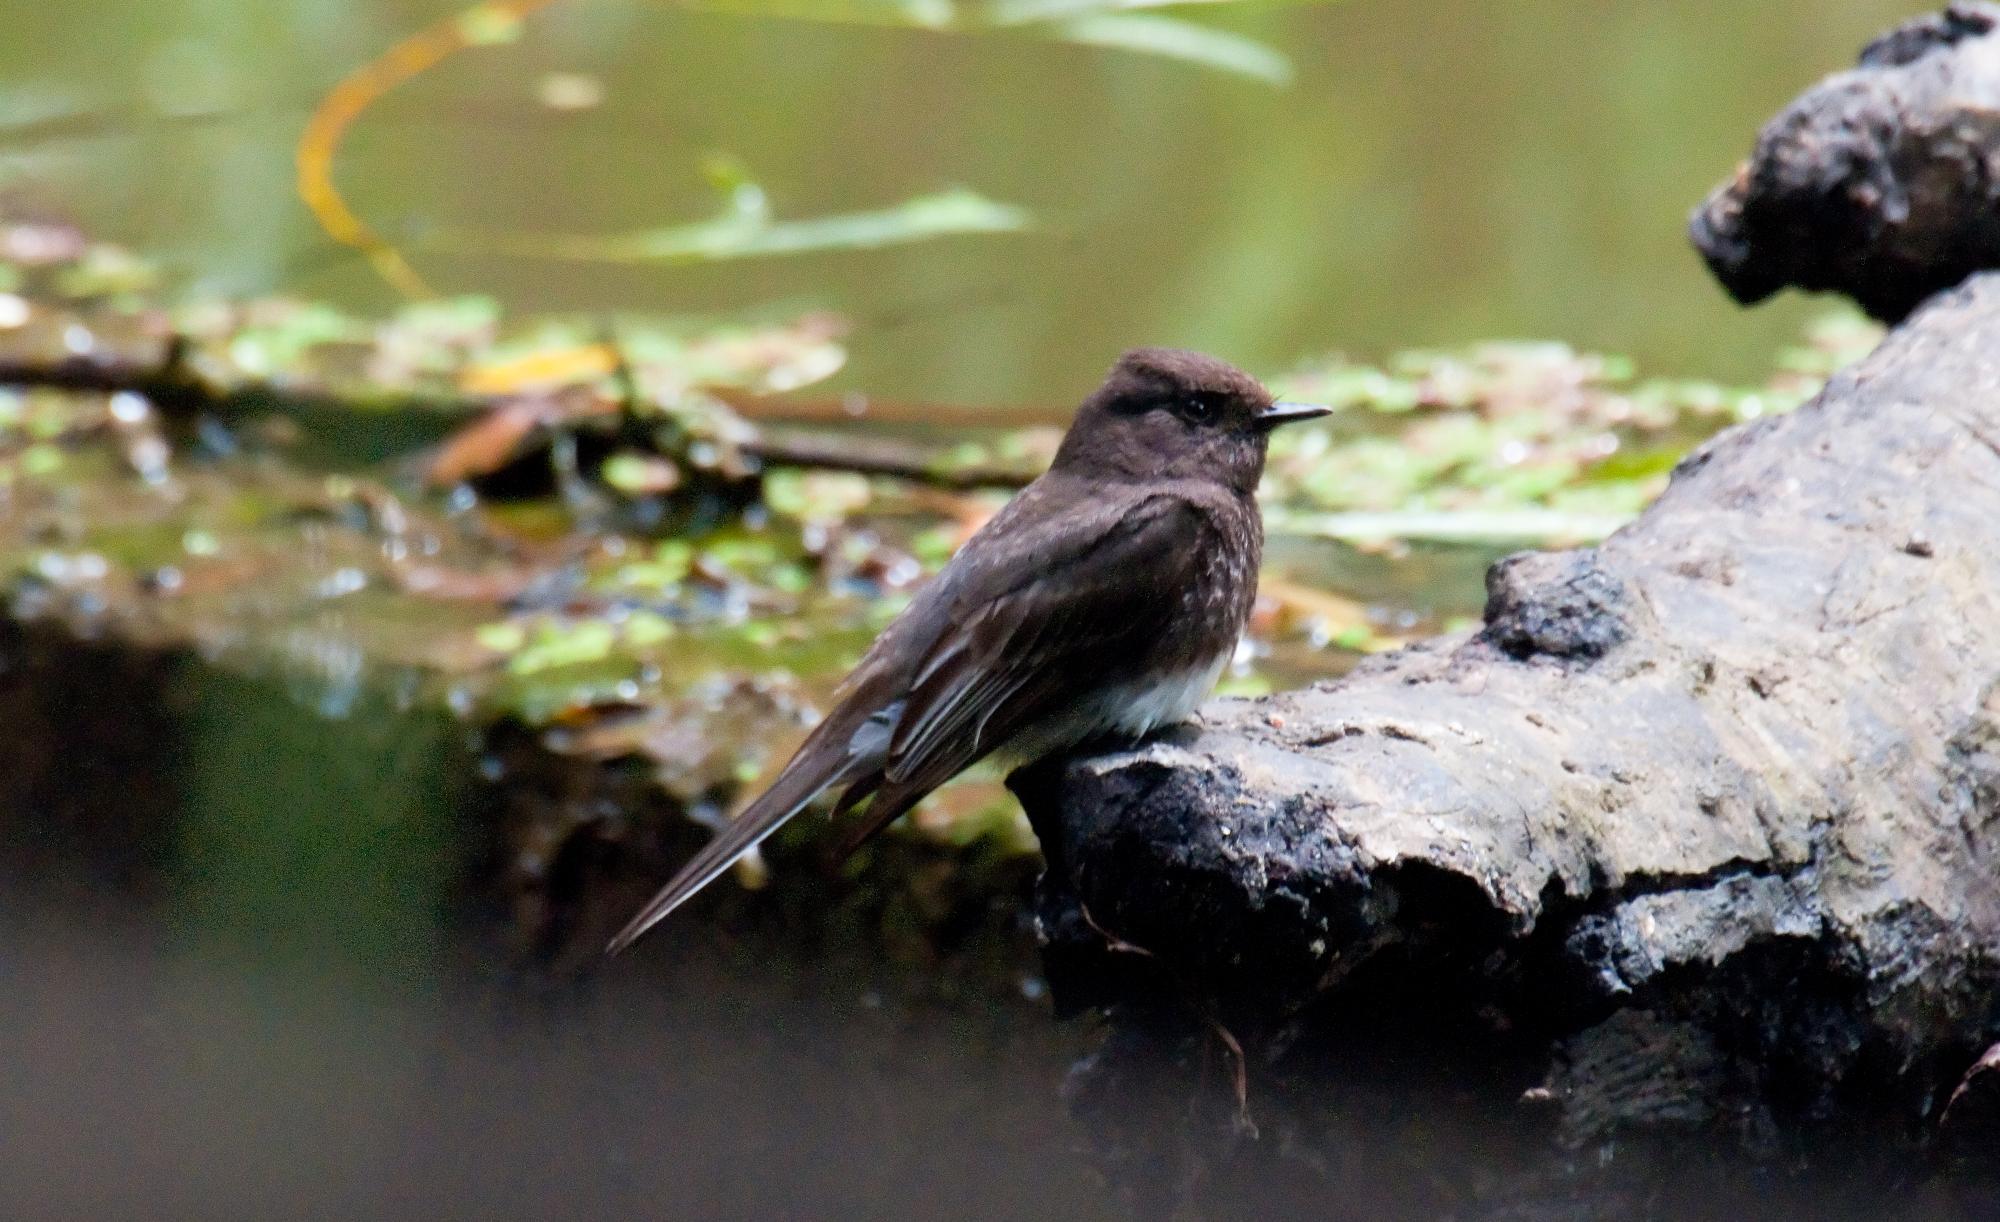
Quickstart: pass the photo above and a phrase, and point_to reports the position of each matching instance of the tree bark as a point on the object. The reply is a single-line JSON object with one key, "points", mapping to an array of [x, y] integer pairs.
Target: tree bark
{"points": [[1738, 767]]}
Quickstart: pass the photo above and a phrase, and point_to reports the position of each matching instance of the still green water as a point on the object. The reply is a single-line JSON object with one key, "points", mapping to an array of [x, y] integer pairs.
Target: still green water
{"points": [[1438, 173]]}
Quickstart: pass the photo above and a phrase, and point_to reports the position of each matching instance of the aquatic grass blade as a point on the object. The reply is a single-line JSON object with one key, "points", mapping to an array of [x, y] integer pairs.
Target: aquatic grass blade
{"points": [[737, 236], [1173, 38]]}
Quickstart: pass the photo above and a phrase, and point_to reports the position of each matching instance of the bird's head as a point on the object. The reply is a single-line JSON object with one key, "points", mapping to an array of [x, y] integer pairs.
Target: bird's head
{"points": [[1166, 413]]}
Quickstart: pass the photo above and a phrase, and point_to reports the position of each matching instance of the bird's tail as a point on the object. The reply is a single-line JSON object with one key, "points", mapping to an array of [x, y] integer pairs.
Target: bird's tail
{"points": [[802, 780]]}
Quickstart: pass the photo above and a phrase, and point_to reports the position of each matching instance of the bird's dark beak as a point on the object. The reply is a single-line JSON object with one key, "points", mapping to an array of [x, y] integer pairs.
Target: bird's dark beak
{"points": [[1287, 413]]}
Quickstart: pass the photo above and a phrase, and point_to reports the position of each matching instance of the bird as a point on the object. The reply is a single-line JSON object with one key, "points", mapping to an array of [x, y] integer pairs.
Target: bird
{"points": [[1102, 601]]}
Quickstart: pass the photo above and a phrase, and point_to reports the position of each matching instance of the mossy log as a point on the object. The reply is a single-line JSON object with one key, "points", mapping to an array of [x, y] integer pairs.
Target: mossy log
{"points": [[1736, 769]]}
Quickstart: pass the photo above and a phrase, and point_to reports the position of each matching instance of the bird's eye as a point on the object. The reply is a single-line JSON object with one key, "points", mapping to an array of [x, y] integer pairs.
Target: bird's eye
{"points": [[1200, 409]]}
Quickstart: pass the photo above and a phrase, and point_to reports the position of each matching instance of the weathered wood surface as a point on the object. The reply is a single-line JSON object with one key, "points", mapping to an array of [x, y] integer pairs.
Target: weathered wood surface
{"points": [[1738, 767], [1882, 182]]}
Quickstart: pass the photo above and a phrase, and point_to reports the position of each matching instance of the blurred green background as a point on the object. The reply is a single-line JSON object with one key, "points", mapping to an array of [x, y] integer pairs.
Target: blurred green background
{"points": [[1434, 173]]}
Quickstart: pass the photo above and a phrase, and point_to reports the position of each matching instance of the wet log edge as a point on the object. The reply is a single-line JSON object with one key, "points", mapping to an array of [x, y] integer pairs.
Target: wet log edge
{"points": [[1737, 767]]}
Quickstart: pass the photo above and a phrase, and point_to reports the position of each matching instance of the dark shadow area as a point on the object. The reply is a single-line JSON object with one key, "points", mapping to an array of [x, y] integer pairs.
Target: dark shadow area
{"points": [[260, 962]]}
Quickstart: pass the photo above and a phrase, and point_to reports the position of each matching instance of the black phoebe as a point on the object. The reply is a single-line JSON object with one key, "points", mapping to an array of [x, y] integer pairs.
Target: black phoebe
{"points": [[1103, 600]]}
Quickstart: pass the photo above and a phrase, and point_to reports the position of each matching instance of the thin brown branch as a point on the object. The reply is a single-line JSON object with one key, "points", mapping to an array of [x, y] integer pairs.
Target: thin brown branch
{"points": [[879, 456], [857, 408], [174, 391]]}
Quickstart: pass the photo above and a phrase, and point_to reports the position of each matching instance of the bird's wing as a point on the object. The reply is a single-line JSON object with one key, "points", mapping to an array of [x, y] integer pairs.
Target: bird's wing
{"points": [[992, 644], [1040, 617]]}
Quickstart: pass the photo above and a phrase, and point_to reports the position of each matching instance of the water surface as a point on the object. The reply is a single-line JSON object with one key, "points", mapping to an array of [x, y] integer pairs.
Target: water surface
{"points": [[1438, 174]]}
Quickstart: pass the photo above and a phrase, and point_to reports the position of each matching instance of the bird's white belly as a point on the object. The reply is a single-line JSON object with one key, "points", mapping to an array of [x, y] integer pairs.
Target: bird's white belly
{"points": [[1128, 709]]}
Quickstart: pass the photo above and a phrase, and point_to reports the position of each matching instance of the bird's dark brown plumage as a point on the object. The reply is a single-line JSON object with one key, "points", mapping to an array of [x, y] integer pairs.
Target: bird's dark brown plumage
{"points": [[1104, 598]]}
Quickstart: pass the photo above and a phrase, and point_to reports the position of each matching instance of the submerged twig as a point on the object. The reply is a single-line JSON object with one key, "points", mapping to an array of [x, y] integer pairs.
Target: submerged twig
{"points": [[362, 88]]}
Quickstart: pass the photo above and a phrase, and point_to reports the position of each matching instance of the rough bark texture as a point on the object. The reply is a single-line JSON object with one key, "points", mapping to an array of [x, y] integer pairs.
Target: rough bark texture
{"points": [[1737, 767], [1882, 182]]}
